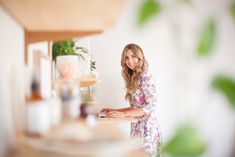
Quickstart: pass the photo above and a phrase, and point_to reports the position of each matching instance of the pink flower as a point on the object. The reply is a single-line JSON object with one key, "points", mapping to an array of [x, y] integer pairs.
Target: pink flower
{"points": [[141, 78], [142, 99]]}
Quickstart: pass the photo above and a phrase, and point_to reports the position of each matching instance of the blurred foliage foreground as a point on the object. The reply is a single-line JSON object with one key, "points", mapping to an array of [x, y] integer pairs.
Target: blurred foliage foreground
{"points": [[186, 142]]}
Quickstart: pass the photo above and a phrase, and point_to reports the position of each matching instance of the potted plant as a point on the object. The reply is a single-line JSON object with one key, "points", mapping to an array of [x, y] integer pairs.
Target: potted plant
{"points": [[66, 56], [93, 71], [67, 47]]}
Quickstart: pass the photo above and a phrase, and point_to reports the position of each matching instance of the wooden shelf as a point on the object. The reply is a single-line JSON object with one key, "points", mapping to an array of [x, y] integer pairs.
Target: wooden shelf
{"points": [[59, 20], [36, 36], [88, 82], [53, 19], [82, 83]]}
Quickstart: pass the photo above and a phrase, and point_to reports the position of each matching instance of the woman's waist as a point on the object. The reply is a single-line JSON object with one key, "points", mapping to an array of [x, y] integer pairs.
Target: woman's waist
{"points": [[151, 115]]}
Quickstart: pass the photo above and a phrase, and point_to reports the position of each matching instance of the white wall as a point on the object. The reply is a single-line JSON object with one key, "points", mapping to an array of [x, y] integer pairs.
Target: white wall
{"points": [[169, 42], [11, 86]]}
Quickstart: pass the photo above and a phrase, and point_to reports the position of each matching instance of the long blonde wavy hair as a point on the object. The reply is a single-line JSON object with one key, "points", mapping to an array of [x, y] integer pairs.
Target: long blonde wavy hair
{"points": [[131, 77]]}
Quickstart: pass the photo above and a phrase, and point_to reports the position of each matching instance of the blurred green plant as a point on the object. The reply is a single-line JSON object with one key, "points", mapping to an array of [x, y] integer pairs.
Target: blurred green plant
{"points": [[80, 50], [67, 47], [148, 10], [92, 65], [186, 1], [185, 143], [151, 8], [232, 10], [226, 86], [207, 38]]}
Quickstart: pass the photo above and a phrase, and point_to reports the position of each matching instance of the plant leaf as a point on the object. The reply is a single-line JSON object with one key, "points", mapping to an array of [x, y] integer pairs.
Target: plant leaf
{"points": [[226, 86], [207, 38], [67, 47], [92, 65], [82, 49], [148, 9], [232, 10], [185, 142], [80, 55]]}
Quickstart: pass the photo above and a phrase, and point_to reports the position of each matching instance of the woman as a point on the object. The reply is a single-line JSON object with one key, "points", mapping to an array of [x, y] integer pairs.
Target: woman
{"points": [[141, 94]]}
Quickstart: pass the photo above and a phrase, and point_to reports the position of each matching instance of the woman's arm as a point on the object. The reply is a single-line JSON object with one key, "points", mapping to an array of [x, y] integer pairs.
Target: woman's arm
{"points": [[124, 109], [112, 109], [128, 112]]}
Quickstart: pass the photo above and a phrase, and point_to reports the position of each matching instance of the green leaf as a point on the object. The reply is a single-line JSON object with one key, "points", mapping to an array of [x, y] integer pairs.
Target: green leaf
{"points": [[80, 55], [82, 49], [148, 9], [232, 10], [207, 38], [67, 47], [92, 65], [186, 142], [226, 86]]}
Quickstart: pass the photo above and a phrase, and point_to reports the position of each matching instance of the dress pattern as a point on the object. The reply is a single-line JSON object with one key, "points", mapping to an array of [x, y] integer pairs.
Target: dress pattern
{"points": [[146, 127]]}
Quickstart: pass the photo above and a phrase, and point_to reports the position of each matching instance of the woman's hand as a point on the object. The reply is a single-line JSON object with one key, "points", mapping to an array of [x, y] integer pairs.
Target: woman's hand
{"points": [[107, 109], [115, 114]]}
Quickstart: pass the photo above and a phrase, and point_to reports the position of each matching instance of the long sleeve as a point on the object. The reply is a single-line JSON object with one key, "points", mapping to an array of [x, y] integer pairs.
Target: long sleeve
{"points": [[148, 88]]}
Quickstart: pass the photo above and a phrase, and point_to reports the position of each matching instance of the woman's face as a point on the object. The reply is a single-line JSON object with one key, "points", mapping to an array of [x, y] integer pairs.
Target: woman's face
{"points": [[131, 59]]}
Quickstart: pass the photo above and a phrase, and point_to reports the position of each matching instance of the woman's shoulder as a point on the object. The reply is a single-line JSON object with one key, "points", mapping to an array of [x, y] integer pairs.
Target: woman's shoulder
{"points": [[146, 76], [146, 73]]}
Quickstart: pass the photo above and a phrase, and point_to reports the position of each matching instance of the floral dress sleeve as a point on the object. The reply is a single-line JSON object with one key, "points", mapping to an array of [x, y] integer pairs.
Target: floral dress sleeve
{"points": [[148, 88]]}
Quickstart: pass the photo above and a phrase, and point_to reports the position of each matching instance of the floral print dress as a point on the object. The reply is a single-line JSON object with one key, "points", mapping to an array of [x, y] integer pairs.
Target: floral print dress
{"points": [[146, 127]]}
